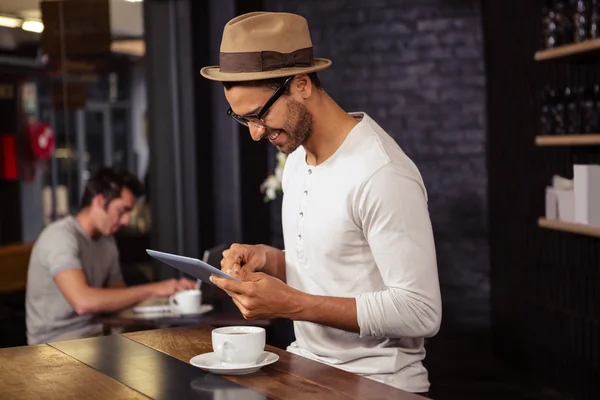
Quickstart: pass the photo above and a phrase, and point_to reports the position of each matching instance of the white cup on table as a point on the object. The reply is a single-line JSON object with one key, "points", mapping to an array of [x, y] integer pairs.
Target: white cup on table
{"points": [[239, 346], [186, 301]]}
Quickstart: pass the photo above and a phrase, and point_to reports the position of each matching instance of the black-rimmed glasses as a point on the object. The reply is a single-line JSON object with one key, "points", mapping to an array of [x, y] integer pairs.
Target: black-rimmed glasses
{"points": [[256, 119]]}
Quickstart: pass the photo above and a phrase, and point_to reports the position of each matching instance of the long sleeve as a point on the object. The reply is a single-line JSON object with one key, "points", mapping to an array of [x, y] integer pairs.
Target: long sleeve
{"points": [[392, 208]]}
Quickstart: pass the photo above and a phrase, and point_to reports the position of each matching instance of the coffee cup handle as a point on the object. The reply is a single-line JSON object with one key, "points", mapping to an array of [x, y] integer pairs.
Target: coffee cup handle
{"points": [[172, 301], [226, 348]]}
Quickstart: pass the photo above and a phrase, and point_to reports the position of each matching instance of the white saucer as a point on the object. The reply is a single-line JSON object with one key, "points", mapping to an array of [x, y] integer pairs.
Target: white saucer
{"points": [[167, 311], [204, 308], [152, 309], [211, 363]]}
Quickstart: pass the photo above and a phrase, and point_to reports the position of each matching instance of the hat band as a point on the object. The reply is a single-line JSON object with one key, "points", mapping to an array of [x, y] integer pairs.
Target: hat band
{"points": [[258, 61]]}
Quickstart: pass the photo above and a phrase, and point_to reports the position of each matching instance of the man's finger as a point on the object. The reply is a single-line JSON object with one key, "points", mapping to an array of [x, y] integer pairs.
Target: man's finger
{"points": [[228, 262], [233, 270], [240, 307], [233, 254], [231, 294], [227, 284], [247, 275], [254, 276], [185, 285]]}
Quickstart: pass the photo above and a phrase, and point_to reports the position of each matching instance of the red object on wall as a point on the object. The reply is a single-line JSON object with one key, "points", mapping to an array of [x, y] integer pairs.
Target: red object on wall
{"points": [[41, 140], [9, 169], [39, 147]]}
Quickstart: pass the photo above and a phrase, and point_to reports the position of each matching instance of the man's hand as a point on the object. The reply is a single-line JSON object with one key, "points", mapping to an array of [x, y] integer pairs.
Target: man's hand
{"points": [[241, 259], [250, 257], [171, 286], [261, 296], [85, 299]]}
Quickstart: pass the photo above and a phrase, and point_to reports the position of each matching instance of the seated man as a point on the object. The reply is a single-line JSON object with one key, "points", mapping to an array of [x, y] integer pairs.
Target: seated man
{"points": [[74, 267]]}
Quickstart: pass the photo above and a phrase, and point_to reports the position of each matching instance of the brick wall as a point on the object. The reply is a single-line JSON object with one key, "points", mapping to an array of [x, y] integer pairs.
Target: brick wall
{"points": [[416, 66]]}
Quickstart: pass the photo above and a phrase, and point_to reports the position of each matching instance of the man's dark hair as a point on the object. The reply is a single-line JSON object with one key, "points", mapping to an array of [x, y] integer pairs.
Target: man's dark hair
{"points": [[109, 182], [273, 83]]}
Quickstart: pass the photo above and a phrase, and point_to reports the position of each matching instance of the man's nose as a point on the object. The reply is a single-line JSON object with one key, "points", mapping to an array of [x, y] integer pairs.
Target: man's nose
{"points": [[257, 132], [125, 219]]}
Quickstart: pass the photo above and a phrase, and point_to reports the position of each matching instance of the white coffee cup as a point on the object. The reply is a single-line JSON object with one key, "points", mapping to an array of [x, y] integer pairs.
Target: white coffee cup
{"points": [[239, 345], [186, 301]]}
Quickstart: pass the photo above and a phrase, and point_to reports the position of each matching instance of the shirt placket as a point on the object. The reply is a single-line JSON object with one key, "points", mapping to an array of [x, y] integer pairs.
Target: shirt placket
{"points": [[302, 214]]}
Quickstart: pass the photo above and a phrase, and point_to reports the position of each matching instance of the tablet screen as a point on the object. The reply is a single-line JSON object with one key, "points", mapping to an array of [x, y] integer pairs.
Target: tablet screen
{"points": [[191, 266]]}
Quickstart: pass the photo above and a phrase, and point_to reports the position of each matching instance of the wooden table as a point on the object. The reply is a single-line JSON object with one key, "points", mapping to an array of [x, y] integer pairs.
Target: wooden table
{"points": [[155, 365]]}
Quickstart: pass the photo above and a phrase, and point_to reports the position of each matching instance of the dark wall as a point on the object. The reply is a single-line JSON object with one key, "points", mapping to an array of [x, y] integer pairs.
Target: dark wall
{"points": [[545, 308], [416, 67]]}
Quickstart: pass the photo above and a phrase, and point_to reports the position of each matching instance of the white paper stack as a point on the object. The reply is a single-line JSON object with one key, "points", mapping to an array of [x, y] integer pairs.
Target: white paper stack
{"points": [[560, 200], [586, 181], [560, 204]]}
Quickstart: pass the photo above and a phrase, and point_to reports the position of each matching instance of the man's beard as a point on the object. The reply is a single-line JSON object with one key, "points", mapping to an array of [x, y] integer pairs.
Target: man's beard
{"points": [[297, 126]]}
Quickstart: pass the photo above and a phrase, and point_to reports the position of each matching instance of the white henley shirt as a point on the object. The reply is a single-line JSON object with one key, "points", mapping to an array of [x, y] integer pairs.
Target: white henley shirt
{"points": [[358, 226]]}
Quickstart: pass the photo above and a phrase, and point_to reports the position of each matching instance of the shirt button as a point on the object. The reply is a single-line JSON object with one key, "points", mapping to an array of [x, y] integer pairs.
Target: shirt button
{"points": [[310, 171], [301, 214], [299, 237], [306, 192]]}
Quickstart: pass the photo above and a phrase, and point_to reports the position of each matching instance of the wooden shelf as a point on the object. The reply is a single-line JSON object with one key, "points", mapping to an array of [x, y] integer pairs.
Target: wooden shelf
{"points": [[579, 229], [568, 140], [568, 50]]}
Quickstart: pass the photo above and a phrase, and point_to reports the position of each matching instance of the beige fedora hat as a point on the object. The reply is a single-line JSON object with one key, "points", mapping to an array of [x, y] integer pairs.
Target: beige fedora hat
{"points": [[264, 45]]}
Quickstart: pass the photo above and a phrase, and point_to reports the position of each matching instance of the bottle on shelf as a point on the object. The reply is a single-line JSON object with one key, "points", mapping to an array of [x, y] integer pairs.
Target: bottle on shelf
{"points": [[564, 26], [594, 19], [549, 27], [571, 110], [580, 21], [558, 113], [546, 114], [589, 115], [597, 108]]}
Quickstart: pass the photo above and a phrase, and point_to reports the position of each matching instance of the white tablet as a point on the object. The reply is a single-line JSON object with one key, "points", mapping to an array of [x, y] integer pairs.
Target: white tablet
{"points": [[191, 266]]}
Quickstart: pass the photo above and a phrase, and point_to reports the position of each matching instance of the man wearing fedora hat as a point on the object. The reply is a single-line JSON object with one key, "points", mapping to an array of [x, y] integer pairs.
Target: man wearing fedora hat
{"points": [[359, 274]]}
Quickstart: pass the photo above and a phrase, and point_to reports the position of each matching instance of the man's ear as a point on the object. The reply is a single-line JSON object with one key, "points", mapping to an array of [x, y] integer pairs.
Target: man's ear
{"points": [[99, 201], [303, 86]]}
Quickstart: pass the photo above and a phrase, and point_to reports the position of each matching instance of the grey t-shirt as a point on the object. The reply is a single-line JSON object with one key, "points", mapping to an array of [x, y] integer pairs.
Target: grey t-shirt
{"points": [[64, 245]]}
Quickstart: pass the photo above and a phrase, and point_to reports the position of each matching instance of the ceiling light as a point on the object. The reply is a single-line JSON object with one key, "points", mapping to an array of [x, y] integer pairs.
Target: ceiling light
{"points": [[10, 22], [33, 26]]}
